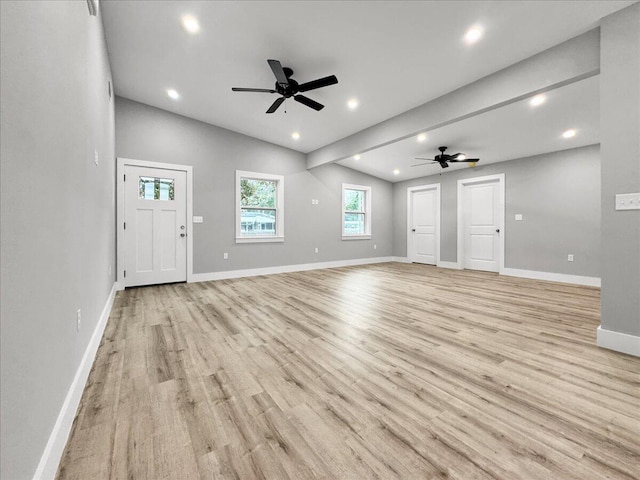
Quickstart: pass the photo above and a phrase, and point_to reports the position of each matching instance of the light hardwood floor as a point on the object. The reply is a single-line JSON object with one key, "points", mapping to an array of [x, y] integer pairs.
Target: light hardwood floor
{"points": [[380, 371]]}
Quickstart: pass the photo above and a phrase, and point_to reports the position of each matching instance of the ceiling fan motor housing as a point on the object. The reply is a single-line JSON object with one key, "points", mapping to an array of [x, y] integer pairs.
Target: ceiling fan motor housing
{"points": [[289, 90]]}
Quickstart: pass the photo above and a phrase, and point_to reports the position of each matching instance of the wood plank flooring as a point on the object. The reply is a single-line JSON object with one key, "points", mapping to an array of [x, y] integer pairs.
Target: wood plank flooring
{"points": [[379, 371]]}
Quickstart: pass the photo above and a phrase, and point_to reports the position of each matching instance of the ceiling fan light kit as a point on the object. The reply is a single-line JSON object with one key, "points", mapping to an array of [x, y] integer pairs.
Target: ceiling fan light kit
{"points": [[287, 87], [444, 159]]}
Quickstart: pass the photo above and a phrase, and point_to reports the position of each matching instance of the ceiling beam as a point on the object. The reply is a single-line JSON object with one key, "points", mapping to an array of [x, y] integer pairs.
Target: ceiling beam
{"points": [[568, 62]]}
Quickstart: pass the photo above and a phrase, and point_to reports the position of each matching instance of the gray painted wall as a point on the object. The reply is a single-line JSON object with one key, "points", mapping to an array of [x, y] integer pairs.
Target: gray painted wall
{"points": [[557, 193], [58, 217], [148, 133], [620, 140]]}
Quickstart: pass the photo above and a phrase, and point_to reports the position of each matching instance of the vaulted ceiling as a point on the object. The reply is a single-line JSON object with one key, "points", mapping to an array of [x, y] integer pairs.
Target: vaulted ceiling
{"points": [[391, 56]]}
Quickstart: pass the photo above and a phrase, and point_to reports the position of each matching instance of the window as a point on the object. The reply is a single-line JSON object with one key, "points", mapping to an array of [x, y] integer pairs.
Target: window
{"points": [[356, 212], [259, 207], [150, 188]]}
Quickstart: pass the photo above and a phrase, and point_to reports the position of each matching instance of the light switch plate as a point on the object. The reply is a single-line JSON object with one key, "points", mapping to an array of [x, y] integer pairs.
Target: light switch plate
{"points": [[518, 217], [628, 201], [197, 219]]}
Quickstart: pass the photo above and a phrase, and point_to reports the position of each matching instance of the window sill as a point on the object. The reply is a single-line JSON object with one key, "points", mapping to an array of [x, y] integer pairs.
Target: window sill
{"points": [[356, 237], [259, 239]]}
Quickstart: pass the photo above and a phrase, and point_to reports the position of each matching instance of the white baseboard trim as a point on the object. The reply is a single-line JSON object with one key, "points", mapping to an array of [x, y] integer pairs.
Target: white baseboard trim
{"points": [[400, 259], [452, 265], [52, 454], [254, 272], [620, 342], [552, 277]]}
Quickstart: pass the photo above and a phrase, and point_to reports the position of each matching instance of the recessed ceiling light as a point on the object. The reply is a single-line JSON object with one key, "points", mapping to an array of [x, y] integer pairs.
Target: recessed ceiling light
{"points": [[396, 172], [356, 157], [353, 103], [173, 94], [422, 137], [537, 100], [473, 35], [190, 24], [462, 156], [569, 133], [295, 136]]}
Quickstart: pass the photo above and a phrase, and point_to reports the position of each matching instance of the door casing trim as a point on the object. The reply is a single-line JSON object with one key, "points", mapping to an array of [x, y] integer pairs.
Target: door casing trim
{"points": [[121, 163], [410, 191], [500, 178]]}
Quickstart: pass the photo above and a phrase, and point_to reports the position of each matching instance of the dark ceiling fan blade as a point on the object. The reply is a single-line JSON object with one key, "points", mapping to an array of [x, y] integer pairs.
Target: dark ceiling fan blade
{"points": [[274, 106], [421, 164], [308, 102], [444, 164], [260, 90], [319, 83], [276, 67], [467, 160]]}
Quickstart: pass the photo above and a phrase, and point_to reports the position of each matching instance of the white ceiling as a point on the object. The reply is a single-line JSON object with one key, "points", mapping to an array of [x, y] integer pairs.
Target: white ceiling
{"points": [[513, 131], [391, 55]]}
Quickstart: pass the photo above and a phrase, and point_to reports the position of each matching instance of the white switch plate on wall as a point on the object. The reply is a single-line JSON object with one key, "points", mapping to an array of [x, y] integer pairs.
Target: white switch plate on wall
{"points": [[197, 219], [628, 201], [518, 217]]}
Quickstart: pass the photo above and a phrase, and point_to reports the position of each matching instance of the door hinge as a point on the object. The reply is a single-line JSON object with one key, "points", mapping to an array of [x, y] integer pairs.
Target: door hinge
{"points": [[125, 177], [125, 225], [125, 274]]}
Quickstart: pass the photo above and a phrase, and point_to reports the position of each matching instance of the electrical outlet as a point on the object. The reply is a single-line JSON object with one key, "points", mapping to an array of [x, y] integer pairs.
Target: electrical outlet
{"points": [[570, 257], [225, 256], [316, 249], [375, 246], [78, 320], [628, 201]]}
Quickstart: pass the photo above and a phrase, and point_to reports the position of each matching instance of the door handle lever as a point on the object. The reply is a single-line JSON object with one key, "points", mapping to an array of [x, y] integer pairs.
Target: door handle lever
{"points": [[413, 229], [497, 230], [183, 234]]}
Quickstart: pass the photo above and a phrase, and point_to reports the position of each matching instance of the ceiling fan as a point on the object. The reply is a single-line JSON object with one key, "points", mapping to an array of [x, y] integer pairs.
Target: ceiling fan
{"points": [[444, 159], [288, 87]]}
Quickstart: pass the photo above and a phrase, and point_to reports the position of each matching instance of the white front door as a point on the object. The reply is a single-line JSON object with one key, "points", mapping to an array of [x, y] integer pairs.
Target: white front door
{"points": [[422, 245], [482, 223], [155, 225]]}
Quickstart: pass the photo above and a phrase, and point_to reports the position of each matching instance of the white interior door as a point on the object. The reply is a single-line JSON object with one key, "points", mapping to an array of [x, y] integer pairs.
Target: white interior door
{"points": [[422, 246], [155, 226], [482, 224]]}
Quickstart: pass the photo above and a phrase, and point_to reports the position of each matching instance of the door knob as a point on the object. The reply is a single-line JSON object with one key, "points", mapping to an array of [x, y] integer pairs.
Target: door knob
{"points": [[183, 234], [413, 229], [497, 230]]}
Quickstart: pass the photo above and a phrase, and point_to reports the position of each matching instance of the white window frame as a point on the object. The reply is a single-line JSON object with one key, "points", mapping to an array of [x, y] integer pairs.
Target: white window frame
{"points": [[279, 179], [367, 212]]}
